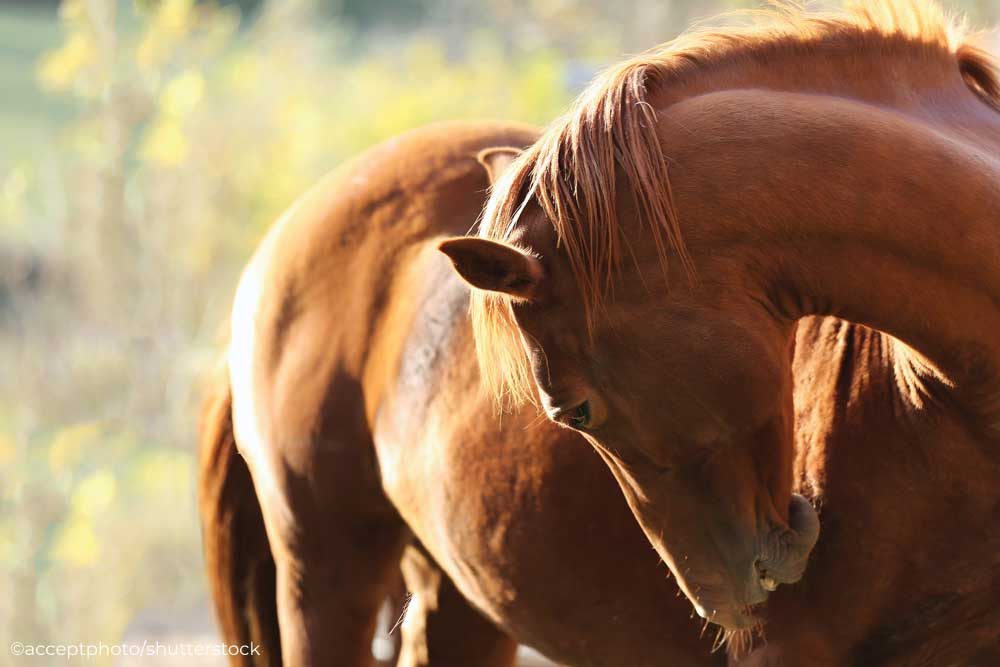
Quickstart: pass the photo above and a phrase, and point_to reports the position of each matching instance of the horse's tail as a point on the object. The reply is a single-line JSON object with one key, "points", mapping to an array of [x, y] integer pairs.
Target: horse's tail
{"points": [[237, 556]]}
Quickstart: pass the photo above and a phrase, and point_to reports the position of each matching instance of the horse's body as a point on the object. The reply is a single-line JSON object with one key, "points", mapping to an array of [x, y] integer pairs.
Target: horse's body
{"points": [[907, 572], [839, 166], [356, 402]]}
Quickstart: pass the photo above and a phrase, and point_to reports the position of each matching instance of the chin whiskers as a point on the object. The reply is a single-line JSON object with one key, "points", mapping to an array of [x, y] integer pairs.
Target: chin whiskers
{"points": [[720, 638], [738, 643]]}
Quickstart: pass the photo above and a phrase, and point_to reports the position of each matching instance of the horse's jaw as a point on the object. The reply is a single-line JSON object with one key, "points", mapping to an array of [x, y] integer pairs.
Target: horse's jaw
{"points": [[741, 577]]}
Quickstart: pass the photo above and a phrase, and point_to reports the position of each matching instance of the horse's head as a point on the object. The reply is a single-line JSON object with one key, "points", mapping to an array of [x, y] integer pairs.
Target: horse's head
{"points": [[684, 392]]}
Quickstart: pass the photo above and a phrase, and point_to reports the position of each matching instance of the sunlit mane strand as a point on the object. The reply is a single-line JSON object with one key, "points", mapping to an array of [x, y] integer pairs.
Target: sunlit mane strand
{"points": [[608, 139]]}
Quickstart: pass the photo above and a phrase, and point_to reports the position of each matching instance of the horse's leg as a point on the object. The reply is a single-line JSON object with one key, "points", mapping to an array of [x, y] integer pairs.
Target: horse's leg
{"points": [[333, 574], [335, 538], [441, 628]]}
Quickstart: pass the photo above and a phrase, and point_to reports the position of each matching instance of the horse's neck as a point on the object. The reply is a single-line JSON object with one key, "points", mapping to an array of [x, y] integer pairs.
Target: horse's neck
{"points": [[907, 78], [853, 385], [916, 256], [891, 221], [868, 178], [962, 625], [887, 457]]}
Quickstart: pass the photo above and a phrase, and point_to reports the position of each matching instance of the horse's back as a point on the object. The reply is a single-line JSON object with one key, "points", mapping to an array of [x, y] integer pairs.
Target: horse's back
{"points": [[337, 251], [314, 309]]}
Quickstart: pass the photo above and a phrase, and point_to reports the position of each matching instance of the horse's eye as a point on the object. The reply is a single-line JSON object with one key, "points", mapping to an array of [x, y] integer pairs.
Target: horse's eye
{"points": [[579, 417]]}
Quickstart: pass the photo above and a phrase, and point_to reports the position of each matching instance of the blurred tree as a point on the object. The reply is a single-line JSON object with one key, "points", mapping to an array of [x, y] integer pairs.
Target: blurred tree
{"points": [[190, 134], [365, 14]]}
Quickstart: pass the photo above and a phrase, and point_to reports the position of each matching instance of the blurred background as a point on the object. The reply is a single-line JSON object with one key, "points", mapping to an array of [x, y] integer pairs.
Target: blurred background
{"points": [[144, 148]]}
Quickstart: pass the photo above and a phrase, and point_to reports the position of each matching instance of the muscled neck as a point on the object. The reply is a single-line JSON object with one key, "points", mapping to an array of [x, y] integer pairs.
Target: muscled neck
{"points": [[830, 206]]}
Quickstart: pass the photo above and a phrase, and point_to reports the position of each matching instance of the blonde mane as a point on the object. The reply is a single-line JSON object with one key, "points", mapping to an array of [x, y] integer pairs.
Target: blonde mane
{"points": [[609, 136]]}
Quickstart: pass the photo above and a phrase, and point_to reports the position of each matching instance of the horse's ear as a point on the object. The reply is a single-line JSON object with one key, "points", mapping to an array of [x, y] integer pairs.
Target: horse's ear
{"points": [[496, 160], [495, 267]]}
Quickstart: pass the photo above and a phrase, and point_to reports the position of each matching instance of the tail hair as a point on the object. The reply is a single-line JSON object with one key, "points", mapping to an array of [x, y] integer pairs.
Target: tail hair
{"points": [[238, 559]]}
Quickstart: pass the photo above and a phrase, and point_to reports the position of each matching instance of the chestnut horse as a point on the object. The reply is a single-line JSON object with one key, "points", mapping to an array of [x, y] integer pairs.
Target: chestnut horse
{"points": [[840, 166], [366, 447], [642, 268]]}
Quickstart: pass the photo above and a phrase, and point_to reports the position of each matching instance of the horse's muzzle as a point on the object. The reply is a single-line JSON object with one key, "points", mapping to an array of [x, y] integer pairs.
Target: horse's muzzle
{"points": [[782, 557]]}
